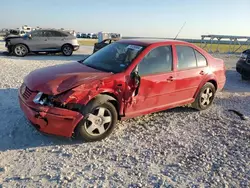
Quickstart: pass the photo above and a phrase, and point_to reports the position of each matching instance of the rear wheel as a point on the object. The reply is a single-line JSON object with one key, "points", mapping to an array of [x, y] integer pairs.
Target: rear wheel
{"points": [[99, 122], [67, 50], [205, 97], [20, 50]]}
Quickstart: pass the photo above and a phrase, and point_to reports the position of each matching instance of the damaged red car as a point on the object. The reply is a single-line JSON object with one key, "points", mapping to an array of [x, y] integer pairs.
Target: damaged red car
{"points": [[125, 79]]}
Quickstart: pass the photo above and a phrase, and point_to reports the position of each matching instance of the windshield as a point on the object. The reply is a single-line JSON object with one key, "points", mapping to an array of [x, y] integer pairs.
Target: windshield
{"points": [[115, 57]]}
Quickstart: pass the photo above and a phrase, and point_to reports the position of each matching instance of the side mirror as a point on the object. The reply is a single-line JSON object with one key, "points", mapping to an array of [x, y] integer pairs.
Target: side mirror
{"points": [[135, 78], [134, 75], [29, 36]]}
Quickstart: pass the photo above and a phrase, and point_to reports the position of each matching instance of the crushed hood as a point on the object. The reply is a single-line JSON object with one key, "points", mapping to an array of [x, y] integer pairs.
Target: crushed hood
{"points": [[57, 79]]}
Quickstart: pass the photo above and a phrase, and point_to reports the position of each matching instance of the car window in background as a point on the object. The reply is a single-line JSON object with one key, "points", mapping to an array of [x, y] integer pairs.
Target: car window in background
{"points": [[159, 60], [201, 60], [186, 57], [115, 57]]}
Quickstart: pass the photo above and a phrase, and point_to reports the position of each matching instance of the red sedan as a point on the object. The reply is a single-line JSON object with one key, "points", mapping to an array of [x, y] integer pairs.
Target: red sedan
{"points": [[125, 79]]}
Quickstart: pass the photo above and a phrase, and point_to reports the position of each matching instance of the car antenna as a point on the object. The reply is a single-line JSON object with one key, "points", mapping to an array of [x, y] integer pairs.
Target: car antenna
{"points": [[179, 31]]}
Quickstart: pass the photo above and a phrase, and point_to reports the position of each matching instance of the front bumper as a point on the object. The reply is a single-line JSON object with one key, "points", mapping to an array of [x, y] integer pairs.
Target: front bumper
{"points": [[51, 120], [9, 48], [243, 68]]}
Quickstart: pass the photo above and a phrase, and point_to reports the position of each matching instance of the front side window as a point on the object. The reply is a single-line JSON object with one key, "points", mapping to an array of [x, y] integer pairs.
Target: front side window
{"points": [[186, 57], [159, 60], [37, 33], [115, 57]]}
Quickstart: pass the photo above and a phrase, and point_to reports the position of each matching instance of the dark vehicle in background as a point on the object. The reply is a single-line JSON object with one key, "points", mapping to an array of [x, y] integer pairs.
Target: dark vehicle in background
{"points": [[243, 65], [83, 35], [100, 45], [94, 36], [44, 40], [89, 36]]}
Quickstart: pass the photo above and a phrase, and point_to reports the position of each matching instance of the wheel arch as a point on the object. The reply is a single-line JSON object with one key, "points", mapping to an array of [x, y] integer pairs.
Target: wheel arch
{"points": [[66, 44], [211, 80], [108, 97]]}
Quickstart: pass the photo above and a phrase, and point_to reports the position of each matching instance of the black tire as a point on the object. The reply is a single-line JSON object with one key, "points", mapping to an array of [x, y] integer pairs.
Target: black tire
{"points": [[67, 50], [244, 77], [199, 101], [20, 50], [81, 130]]}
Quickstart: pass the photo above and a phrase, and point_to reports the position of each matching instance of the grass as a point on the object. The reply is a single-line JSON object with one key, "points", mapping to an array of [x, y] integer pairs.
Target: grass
{"points": [[223, 48], [87, 42]]}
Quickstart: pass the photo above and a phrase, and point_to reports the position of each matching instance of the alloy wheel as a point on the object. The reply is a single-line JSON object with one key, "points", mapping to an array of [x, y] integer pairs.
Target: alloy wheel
{"points": [[206, 97], [67, 50], [20, 50], [98, 122]]}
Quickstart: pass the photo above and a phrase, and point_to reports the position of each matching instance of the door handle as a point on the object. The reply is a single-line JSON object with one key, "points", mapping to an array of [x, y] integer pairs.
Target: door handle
{"points": [[170, 79], [202, 72]]}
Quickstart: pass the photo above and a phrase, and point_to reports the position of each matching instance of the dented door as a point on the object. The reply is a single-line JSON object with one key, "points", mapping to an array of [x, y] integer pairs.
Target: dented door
{"points": [[157, 83], [155, 92]]}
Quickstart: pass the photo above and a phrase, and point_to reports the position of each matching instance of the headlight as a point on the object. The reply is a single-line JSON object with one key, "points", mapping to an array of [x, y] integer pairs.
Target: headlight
{"points": [[46, 100], [37, 99]]}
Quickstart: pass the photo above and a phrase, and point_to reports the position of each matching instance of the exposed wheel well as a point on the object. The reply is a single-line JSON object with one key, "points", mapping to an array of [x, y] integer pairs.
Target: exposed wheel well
{"points": [[110, 98], [214, 83], [114, 102]]}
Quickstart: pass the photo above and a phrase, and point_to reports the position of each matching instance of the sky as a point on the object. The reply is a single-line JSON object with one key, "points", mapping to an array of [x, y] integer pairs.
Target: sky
{"points": [[139, 18]]}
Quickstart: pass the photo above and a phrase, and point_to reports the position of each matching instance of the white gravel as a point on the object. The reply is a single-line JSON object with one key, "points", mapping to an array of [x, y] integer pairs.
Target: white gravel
{"points": [[175, 148]]}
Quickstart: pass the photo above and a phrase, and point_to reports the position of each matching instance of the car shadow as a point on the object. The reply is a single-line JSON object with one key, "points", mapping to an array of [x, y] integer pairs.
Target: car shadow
{"points": [[16, 132], [234, 83]]}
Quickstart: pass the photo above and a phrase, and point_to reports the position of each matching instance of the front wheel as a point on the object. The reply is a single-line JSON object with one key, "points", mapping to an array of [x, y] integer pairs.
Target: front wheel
{"points": [[205, 97], [67, 50], [20, 50], [99, 122]]}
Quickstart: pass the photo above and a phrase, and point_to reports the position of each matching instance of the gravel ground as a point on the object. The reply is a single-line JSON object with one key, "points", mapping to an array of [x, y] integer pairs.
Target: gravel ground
{"points": [[174, 148]]}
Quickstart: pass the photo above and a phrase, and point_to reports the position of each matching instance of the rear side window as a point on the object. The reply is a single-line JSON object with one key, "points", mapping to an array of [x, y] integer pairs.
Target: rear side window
{"points": [[186, 57], [201, 60], [159, 60], [57, 34]]}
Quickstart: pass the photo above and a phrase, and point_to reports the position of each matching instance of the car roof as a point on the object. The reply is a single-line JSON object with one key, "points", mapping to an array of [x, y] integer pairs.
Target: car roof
{"points": [[148, 42], [48, 29]]}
